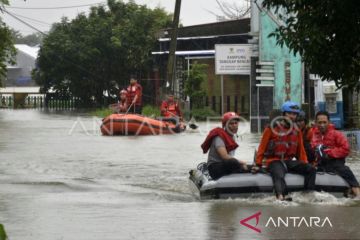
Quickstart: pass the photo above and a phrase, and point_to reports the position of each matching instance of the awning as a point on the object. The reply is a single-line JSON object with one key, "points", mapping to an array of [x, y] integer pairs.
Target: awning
{"points": [[187, 53]]}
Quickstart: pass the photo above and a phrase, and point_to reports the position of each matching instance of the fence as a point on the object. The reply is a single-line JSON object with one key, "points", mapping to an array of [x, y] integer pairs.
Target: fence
{"points": [[7, 102], [40, 102], [353, 137]]}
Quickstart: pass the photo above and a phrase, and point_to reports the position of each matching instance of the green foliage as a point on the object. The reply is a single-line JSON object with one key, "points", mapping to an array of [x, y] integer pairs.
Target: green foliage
{"points": [[194, 80], [97, 53], [31, 40], [7, 50], [196, 77], [201, 114], [101, 112], [326, 33], [3, 235], [151, 111]]}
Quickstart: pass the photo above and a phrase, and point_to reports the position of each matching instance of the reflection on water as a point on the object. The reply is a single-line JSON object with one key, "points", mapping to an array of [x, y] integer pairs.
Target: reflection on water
{"points": [[60, 179]]}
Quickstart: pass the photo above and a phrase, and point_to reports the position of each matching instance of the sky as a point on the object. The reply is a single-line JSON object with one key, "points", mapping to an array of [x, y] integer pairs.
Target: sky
{"points": [[192, 11]]}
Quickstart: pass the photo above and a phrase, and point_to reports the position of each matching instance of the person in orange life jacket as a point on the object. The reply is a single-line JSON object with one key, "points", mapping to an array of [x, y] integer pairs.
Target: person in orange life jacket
{"points": [[307, 133], [121, 106], [170, 108], [282, 147], [220, 142], [134, 96], [331, 148]]}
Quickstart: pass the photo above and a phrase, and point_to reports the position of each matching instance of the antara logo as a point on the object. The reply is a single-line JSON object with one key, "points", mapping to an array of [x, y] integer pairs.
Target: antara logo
{"points": [[257, 217], [298, 222], [295, 222]]}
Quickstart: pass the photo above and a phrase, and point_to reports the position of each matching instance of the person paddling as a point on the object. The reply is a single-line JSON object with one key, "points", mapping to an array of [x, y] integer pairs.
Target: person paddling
{"points": [[170, 108], [134, 96], [220, 142]]}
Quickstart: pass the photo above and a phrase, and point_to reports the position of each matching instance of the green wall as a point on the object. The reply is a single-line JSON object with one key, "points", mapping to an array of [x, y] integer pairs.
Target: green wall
{"points": [[269, 51]]}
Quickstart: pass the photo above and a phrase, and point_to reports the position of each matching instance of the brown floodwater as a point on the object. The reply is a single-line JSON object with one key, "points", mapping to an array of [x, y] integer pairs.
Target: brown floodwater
{"points": [[60, 179]]}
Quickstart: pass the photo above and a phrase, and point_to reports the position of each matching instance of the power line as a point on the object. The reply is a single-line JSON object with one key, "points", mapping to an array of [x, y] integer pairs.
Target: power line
{"points": [[63, 7], [32, 19], [22, 21]]}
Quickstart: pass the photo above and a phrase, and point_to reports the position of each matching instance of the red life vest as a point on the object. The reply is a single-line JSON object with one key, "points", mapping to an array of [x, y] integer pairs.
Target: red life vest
{"points": [[283, 143], [133, 90], [172, 108], [230, 143]]}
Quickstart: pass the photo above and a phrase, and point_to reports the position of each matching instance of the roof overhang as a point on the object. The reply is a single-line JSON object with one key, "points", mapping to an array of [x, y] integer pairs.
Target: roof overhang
{"points": [[20, 90], [187, 53]]}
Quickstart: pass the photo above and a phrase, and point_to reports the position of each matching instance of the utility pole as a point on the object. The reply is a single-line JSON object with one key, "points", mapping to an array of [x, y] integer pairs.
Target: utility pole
{"points": [[171, 60]]}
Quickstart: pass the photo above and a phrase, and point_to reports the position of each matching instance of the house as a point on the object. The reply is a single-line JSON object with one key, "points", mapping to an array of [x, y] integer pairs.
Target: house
{"points": [[19, 83]]}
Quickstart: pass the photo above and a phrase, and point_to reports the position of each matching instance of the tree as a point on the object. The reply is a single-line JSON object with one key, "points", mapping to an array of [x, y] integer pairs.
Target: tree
{"points": [[94, 54], [326, 33], [3, 235], [193, 83], [7, 50], [31, 39], [232, 11]]}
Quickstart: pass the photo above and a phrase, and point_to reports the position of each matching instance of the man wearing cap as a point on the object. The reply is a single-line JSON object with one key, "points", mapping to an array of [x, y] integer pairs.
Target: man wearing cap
{"points": [[221, 145], [282, 148]]}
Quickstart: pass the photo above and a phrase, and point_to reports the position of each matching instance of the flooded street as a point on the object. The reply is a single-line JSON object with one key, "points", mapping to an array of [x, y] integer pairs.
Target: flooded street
{"points": [[60, 179]]}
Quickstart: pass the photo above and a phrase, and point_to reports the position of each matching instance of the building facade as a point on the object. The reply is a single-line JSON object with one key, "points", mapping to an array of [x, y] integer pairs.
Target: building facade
{"points": [[18, 83], [196, 45]]}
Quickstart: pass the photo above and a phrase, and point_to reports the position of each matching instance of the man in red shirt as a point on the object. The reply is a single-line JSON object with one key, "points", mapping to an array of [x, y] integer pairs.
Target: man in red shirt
{"points": [[170, 108], [134, 96], [331, 148]]}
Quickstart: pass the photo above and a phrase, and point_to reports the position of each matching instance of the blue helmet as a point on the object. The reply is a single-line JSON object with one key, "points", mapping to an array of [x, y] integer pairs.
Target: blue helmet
{"points": [[289, 106]]}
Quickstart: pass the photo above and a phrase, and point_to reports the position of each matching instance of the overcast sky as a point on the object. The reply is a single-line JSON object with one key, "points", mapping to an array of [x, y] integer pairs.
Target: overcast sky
{"points": [[192, 11]]}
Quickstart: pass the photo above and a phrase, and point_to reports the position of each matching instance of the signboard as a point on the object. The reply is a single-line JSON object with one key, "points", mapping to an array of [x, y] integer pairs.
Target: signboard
{"points": [[232, 59]]}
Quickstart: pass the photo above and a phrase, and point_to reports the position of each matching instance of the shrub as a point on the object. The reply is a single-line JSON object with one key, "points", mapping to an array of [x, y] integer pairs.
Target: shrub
{"points": [[151, 111], [202, 113]]}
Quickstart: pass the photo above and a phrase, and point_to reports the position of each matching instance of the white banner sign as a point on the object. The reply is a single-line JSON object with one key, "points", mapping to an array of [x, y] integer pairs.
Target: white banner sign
{"points": [[232, 59]]}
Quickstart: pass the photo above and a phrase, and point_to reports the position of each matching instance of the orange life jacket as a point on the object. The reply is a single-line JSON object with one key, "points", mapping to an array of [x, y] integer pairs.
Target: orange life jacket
{"points": [[172, 107], [282, 144]]}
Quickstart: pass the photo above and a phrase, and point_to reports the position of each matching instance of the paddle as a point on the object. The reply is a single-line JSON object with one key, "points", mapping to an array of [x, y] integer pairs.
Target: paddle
{"points": [[129, 107], [191, 125]]}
